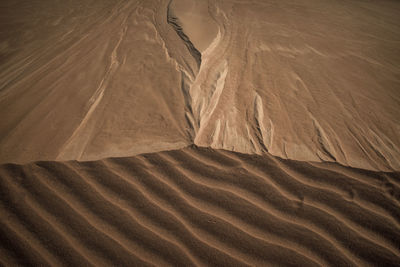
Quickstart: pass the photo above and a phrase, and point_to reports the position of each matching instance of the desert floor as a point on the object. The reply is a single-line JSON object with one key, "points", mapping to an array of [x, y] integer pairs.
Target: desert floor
{"points": [[199, 133]]}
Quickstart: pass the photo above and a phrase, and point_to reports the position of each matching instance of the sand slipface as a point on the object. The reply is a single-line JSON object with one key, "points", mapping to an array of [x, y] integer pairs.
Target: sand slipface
{"points": [[311, 80], [93, 82], [199, 133], [314, 81]]}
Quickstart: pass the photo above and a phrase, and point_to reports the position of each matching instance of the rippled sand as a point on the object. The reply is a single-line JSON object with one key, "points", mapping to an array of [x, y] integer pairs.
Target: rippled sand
{"points": [[273, 129]]}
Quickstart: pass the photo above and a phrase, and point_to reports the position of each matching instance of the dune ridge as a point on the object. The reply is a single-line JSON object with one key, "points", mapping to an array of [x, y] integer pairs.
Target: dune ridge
{"points": [[197, 207]]}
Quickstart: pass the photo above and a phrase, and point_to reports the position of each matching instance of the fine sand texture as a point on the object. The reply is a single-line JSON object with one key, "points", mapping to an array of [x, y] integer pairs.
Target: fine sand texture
{"points": [[310, 80], [199, 133], [198, 207]]}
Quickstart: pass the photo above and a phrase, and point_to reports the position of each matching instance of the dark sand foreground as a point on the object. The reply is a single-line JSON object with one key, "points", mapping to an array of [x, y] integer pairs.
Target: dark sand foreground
{"points": [[198, 206]]}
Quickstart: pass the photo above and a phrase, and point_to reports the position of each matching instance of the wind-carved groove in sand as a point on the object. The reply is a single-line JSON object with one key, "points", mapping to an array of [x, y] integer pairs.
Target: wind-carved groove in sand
{"points": [[94, 100], [186, 81], [209, 102], [174, 22], [199, 103], [266, 135], [323, 142], [202, 94]]}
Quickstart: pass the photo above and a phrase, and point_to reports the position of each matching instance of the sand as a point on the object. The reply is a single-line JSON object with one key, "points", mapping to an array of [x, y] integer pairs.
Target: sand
{"points": [[184, 132], [198, 206], [311, 81]]}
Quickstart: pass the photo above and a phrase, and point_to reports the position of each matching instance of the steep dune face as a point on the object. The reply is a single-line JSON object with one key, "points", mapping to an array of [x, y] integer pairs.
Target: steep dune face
{"points": [[311, 80], [92, 82], [315, 81], [198, 206]]}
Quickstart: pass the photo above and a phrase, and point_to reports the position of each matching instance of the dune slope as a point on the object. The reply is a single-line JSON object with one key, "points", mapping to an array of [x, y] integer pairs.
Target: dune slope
{"points": [[198, 206], [308, 80], [89, 79]]}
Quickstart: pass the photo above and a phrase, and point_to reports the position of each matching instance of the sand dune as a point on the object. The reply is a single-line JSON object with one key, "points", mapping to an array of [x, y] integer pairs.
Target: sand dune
{"points": [[88, 80], [199, 133], [311, 80], [198, 206]]}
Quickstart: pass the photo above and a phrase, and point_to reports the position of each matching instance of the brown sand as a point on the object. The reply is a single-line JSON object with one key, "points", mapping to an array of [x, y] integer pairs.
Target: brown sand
{"points": [[198, 206], [279, 122], [305, 80]]}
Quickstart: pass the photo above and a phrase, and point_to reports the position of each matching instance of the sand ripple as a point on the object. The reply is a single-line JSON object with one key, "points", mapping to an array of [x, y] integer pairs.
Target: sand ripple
{"points": [[198, 206]]}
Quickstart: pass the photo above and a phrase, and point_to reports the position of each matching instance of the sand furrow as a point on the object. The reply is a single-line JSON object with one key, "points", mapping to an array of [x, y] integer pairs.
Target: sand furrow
{"points": [[344, 211], [122, 206], [112, 221], [55, 238], [197, 200], [210, 245], [270, 208], [93, 225], [229, 209], [333, 216], [13, 225], [113, 240], [361, 194], [195, 207], [23, 243]]}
